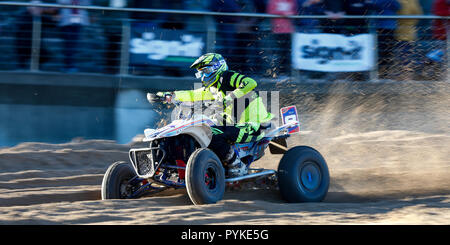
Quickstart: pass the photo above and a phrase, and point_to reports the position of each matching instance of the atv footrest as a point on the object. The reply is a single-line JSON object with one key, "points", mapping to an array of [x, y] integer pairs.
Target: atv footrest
{"points": [[254, 175]]}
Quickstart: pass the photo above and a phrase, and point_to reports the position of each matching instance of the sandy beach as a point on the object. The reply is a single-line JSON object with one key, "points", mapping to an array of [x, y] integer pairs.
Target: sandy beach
{"points": [[387, 166]]}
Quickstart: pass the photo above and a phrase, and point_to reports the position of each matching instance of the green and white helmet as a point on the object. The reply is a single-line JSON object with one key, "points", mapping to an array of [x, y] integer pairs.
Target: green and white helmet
{"points": [[209, 66]]}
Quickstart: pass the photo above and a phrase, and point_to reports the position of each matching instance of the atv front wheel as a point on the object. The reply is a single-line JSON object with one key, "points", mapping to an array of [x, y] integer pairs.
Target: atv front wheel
{"points": [[115, 184], [205, 177], [303, 175]]}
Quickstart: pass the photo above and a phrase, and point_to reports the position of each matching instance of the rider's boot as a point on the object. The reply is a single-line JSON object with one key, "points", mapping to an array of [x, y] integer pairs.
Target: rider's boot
{"points": [[235, 166]]}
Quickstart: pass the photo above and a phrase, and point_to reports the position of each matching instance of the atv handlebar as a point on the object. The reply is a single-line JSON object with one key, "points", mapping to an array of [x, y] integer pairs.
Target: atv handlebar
{"points": [[210, 108]]}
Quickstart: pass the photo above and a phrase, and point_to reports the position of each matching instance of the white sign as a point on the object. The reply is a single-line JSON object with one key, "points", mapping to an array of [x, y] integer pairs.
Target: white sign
{"points": [[161, 49], [333, 52]]}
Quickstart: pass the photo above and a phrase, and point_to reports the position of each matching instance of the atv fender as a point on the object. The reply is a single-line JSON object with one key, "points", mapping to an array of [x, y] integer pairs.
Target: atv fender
{"points": [[202, 134]]}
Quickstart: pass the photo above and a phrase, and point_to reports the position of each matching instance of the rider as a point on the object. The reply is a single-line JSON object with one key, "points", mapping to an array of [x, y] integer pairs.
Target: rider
{"points": [[233, 90]]}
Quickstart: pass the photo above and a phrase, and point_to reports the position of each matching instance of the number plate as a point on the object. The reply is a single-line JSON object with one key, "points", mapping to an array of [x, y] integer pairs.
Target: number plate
{"points": [[289, 115]]}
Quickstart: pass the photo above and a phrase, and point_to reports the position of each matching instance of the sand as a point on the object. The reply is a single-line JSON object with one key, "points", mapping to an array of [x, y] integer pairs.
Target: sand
{"points": [[388, 165]]}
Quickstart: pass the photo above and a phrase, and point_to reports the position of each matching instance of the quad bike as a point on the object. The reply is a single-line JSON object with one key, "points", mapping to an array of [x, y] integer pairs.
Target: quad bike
{"points": [[178, 157]]}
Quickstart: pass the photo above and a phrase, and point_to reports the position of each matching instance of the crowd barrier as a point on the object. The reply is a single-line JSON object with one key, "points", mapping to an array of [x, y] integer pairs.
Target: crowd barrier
{"points": [[149, 42]]}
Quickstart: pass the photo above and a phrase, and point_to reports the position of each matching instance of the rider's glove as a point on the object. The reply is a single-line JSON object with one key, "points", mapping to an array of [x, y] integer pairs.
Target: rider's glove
{"points": [[165, 97]]}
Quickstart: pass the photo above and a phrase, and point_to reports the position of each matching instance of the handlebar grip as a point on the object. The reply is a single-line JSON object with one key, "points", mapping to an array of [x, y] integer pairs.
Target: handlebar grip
{"points": [[153, 98]]}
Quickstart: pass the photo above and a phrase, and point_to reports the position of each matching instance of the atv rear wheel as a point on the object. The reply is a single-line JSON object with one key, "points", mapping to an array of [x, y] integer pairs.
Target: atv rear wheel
{"points": [[205, 177], [303, 175], [115, 184]]}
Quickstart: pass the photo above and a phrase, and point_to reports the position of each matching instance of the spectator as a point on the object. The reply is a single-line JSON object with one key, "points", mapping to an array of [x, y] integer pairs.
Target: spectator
{"points": [[285, 8], [424, 31], [436, 68], [112, 25], [24, 31], [263, 33], [246, 37], [310, 7], [71, 23], [140, 4], [385, 30], [356, 7], [226, 29], [148, 21], [407, 30], [173, 21], [162, 20], [334, 9], [355, 27], [441, 8], [23, 35], [196, 22], [406, 35], [282, 29]]}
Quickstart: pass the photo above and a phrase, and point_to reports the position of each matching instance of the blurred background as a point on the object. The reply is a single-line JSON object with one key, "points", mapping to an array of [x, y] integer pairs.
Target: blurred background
{"points": [[83, 72]]}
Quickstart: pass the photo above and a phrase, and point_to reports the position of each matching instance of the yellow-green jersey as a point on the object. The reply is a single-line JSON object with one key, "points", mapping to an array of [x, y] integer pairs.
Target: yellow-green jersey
{"points": [[247, 106]]}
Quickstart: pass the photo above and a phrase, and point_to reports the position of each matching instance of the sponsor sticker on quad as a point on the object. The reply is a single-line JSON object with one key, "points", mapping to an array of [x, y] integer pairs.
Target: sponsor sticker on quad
{"points": [[289, 114]]}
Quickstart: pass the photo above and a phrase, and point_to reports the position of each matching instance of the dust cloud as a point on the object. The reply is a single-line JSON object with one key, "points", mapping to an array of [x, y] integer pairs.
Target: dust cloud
{"points": [[382, 141]]}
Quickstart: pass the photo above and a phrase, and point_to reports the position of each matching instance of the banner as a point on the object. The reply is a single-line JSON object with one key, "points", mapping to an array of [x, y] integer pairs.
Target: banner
{"points": [[333, 52], [174, 48]]}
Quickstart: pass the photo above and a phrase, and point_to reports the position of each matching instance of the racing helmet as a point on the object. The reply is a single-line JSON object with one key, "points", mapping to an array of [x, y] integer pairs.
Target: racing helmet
{"points": [[209, 66]]}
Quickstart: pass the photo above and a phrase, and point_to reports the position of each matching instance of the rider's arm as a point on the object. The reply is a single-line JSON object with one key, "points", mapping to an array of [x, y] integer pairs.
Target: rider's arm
{"points": [[242, 84], [193, 95]]}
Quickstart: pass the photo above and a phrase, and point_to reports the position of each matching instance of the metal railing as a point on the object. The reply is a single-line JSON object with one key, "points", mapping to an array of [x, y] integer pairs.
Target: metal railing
{"points": [[133, 41], [210, 13]]}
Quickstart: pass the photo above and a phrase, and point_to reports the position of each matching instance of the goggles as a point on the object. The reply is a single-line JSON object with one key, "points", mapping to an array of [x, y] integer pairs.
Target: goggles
{"points": [[204, 71]]}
